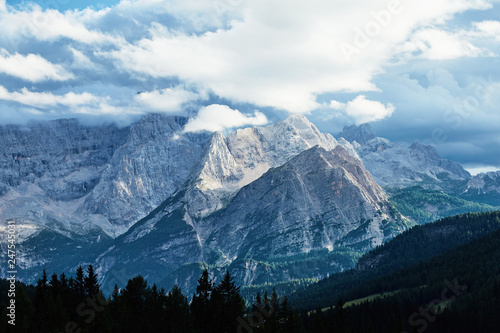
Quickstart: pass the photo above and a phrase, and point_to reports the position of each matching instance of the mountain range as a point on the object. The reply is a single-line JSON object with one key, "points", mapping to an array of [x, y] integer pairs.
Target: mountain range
{"points": [[272, 203]]}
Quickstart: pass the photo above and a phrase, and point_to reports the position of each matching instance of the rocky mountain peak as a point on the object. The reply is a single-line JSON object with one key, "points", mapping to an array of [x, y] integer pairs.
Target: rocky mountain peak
{"points": [[218, 166], [425, 150], [156, 126], [361, 134], [487, 185]]}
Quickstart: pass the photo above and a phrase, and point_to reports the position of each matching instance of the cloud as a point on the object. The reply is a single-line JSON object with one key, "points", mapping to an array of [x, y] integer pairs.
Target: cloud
{"points": [[81, 61], [278, 61], [50, 25], [437, 44], [218, 117], [488, 28], [267, 55], [365, 111], [336, 105], [31, 67], [46, 100], [475, 169], [169, 100]]}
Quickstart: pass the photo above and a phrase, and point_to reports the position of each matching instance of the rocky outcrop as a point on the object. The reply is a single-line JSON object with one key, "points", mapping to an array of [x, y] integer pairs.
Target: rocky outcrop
{"points": [[395, 164], [72, 178], [361, 134], [483, 187]]}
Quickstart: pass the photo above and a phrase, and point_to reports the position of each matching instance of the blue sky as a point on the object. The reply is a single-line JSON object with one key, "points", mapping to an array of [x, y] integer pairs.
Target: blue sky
{"points": [[63, 5], [416, 70]]}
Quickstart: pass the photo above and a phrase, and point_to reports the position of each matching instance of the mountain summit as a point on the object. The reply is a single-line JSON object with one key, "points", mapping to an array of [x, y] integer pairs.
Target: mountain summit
{"points": [[396, 164], [361, 134], [234, 210]]}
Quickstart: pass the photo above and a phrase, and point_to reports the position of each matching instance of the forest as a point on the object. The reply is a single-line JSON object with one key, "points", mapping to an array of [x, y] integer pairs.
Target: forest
{"points": [[440, 277]]}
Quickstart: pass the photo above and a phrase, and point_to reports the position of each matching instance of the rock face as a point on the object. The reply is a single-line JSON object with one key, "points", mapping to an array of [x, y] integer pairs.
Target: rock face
{"points": [[395, 164], [318, 200], [230, 163], [361, 134], [153, 163], [70, 188], [484, 187], [62, 157], [150, 199], [483, 183], [75, 177]]}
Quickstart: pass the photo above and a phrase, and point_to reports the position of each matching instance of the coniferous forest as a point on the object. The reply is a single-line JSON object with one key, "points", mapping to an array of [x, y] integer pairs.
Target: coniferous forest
{"points": [[451, 289]]}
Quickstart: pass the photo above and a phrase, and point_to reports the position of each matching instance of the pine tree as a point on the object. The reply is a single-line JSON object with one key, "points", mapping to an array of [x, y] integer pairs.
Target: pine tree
{"points": [[318, 324], [228, 304], [115, 294], [339, 316], [42, 302], [177, 311], [134, 300], [200, 304], [90, 283], [54, 285], [79, 283], [25, 311]]}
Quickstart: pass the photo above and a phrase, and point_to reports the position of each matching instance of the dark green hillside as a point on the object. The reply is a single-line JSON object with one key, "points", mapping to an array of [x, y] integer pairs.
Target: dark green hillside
{"points": [[411, 247], [458, 291]]}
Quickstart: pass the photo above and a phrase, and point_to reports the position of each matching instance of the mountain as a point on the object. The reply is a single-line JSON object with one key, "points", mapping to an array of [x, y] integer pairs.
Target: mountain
{"points": [[47, 169], [153, 163], [272, 203], [70, 177], [71, 188], [407, 251], [424, 205], [361, 134], [398, 165], [457, 290], [484, 187], [320, 200], [230, 163]]}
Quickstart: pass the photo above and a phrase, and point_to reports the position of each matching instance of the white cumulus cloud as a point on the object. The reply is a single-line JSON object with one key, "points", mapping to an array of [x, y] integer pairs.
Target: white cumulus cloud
{"points": [[166, 100], [364, 110], [268, 57], [50, 25], [437, 44], [31, 67], [216, 117], [488, 28]]}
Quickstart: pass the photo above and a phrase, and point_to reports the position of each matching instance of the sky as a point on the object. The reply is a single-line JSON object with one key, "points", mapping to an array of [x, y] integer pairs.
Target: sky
{"points": [[425, 71]]}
